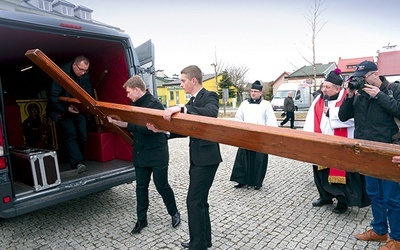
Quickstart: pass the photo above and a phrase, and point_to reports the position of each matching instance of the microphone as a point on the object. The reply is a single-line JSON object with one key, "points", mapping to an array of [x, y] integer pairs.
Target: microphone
{"points": [[326, 97]]}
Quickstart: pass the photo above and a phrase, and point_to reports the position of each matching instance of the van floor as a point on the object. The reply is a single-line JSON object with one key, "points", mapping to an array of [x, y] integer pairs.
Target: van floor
{"points": [[94, 168], [67, 174]]}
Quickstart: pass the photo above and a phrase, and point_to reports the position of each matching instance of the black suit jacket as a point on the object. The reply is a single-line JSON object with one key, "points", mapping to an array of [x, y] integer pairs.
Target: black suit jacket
{"points": [[202, 152]]}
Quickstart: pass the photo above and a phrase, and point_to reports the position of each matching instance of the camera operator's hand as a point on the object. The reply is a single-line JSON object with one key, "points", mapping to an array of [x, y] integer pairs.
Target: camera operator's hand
{"points": [[396, 159], [351, 92], [371, 90]]}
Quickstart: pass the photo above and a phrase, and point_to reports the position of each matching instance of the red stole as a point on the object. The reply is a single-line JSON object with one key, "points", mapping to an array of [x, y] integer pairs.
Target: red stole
{"points": [[335, 175]]}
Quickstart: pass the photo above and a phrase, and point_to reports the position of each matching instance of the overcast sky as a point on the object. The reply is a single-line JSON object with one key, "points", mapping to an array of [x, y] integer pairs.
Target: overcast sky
{"points": [[266, 36]]}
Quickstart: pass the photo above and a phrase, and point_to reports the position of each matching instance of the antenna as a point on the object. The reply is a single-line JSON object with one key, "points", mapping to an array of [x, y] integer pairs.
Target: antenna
{"points": [[389, 47]]}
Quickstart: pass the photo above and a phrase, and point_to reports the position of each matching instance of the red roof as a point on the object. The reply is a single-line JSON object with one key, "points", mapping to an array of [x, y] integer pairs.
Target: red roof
{"points": [[389, 63], [349, 65], [285, 73]]}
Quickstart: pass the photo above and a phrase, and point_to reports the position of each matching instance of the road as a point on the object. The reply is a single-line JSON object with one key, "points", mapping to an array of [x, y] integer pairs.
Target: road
{"points": [[229, 112]]}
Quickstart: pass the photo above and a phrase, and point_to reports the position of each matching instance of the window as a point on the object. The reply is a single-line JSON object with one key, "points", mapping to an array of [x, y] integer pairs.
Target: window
{"points": [[86, 15], [298, 95], [45, 5], [67, 10], [177, 97], [171, 95]]}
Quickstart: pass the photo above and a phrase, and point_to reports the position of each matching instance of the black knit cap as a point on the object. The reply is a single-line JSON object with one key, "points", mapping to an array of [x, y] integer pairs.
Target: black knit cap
{"points": [[335, 77], [257, 85]]}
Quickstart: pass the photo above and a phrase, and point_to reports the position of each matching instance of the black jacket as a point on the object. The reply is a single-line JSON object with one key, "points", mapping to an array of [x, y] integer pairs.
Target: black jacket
{"points": [[288, 104], [373, 117], [202, 152], [149, 149], [57, 109]]}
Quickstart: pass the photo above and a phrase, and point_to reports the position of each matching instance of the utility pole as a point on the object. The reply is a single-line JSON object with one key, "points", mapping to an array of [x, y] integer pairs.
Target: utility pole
{"points": [[215, 72]]}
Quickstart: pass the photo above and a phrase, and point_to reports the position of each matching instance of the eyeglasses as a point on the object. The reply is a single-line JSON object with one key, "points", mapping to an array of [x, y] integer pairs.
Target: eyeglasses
{"points": [[80, 69]]}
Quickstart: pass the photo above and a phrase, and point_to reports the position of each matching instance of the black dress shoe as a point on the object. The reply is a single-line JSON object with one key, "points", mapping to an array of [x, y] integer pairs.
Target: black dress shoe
{"points": [[320, 202], [176, 219], [186, 244], [239, 185], [340, 208], [139, 226]]}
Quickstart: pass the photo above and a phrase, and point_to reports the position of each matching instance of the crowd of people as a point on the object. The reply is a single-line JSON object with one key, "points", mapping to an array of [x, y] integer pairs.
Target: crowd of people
{"points": [[365, 112]]}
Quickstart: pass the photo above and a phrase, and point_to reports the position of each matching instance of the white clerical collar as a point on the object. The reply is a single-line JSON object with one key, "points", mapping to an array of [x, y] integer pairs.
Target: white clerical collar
{"points": [[195, 94]]}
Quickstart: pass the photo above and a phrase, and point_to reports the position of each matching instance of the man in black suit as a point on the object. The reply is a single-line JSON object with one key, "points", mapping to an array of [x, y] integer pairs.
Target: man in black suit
{"points": [[150, 155], [205, 157]]}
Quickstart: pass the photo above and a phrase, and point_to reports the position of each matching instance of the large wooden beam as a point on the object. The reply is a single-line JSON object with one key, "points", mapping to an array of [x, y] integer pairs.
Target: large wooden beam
{"points": [[367, 157]]}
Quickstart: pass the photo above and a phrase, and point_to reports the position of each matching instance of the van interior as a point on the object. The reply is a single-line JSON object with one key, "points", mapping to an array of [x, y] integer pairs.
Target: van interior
{"points": [[25, 85]]}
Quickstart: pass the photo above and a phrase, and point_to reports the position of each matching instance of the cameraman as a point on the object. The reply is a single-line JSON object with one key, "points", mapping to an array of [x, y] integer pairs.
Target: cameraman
{"points": [[373, 103]]}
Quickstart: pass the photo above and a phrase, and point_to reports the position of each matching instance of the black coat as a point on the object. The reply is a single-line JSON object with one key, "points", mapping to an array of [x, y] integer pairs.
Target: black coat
{"points": [[57, 109], [149, 149], [288, 104], [373, 117]]}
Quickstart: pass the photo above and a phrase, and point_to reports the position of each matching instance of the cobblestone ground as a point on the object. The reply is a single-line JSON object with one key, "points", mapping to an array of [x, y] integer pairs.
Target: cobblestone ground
{"points": [[279, 216]]}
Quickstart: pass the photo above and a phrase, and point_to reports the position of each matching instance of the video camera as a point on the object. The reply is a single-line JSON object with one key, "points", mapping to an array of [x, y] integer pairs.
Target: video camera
{"points": [[356, 82]]}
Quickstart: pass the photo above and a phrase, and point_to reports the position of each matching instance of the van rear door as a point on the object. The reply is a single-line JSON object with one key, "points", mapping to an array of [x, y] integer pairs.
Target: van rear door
{"points": [[145, 53]]}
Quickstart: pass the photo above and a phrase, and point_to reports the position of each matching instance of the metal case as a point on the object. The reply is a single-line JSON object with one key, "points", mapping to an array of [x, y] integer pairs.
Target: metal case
{"points": [[36, 167]]}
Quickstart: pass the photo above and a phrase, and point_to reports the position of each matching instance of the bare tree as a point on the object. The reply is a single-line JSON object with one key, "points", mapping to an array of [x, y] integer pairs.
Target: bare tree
{"points": [[237, 75], [218, 68], [313, 19]]}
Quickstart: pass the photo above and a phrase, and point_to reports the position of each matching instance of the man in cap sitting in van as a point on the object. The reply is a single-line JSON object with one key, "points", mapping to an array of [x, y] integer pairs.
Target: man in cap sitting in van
{"points": [[322, 117], [72, 122], [250, 167]]}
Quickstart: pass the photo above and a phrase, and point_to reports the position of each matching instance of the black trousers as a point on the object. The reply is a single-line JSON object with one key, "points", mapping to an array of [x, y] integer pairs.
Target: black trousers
{"points": [[160, 178], [289, 116], [75, 132], [201, 179]]}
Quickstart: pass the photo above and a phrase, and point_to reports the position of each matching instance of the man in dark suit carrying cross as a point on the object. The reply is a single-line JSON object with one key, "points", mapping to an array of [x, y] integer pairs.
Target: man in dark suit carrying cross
{"points": [[205, 157]]}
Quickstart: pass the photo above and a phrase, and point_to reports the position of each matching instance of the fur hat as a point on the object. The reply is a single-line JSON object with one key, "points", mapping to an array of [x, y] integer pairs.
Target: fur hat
{"points": [[335, 77], [257, 85]]}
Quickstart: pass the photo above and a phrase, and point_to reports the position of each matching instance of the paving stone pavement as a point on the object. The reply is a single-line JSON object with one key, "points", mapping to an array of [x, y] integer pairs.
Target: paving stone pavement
{"points": [[279, 216]]}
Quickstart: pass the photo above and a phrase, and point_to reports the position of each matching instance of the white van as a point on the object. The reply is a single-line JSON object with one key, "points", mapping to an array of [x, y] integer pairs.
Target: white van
{"points": [[301, 94], [32, 178]]}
